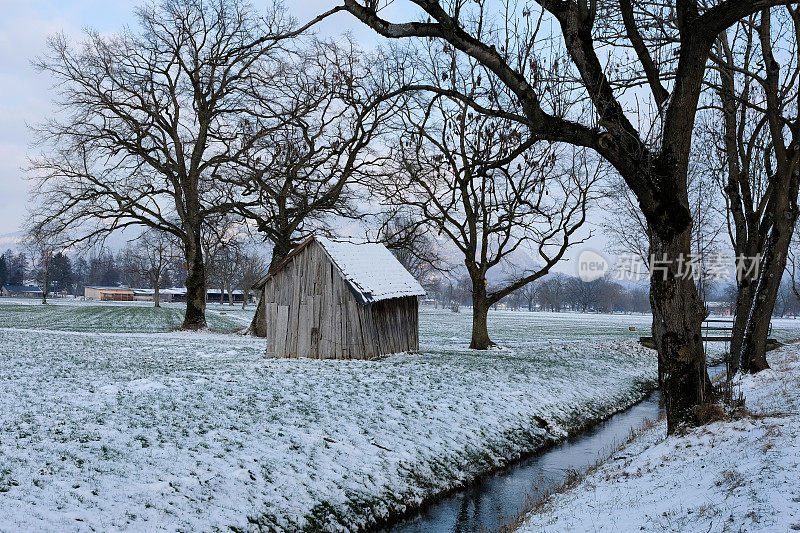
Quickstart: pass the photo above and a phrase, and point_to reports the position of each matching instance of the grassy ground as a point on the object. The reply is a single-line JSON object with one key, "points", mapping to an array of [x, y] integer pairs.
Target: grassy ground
{"points": [[110, 421], [508, 327], [112, 317]]}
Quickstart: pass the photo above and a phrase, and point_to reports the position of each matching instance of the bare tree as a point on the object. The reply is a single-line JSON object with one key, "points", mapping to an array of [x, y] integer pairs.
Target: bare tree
{"points": [[148, 118], [553, 291], [412, 243], [513, 300], [435, 289], [793, 263], [662, 47], [530, 294], [753, 150], [787, 301], [610, 294], [480, 182], [484, 189], [151, 258], [42, 243], [250, 267], [584, 295], [229, 258], [294, 178], [224, 240]]}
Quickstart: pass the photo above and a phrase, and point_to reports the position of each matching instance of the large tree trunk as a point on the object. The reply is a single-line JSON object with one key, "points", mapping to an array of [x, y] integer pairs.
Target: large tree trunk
{"points": [[780, 213], [744, 301], [480, 314], [678, 313], [258, 326], [44, 288], [755, 301], [195, 317], [758, 295], [773, 263], [678, 310], [157, 294]]}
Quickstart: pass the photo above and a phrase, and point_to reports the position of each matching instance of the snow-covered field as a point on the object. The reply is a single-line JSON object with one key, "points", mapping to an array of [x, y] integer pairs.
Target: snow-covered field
{"points": [[111, 421], [739, 475], [67, 314]]}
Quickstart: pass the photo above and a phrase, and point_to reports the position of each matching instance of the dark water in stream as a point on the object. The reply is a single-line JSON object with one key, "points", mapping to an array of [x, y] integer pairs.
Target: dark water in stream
{"points": [[490, 502]]}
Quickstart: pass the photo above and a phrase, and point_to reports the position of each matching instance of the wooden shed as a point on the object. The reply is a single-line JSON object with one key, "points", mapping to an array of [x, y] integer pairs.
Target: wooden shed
{"points": [[340, 300]]}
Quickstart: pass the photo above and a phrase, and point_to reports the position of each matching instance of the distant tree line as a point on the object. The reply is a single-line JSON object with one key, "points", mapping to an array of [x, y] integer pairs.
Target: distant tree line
{"points": [[560, 292], [554, 292], [67, 273], [13, 268], [149, 262]]}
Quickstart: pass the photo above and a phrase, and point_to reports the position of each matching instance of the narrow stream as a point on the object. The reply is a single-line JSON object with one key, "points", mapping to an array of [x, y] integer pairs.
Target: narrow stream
{"points": [[492, 501]]}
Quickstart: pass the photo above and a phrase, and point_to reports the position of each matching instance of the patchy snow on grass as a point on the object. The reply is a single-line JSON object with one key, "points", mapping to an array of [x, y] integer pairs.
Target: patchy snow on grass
{"points": [[197, 431], [67, 314], [738, 475]]}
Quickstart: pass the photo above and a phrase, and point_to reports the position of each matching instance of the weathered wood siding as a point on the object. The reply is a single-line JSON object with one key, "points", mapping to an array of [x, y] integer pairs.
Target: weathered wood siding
{"points": [[312, 312]]}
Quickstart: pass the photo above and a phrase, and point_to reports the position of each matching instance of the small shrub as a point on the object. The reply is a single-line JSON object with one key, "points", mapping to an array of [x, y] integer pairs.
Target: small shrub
{"points": [[707, 413]]}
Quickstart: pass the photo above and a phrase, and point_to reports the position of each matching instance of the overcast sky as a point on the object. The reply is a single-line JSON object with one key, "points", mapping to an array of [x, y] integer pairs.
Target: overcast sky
{"points": [[26, 95]]}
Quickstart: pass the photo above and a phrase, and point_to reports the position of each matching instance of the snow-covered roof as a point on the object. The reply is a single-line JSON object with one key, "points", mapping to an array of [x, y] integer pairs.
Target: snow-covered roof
{"points": [[22, 288], [104, 288], [369, 268], [217, 291], [174, 290], [144, 291]]}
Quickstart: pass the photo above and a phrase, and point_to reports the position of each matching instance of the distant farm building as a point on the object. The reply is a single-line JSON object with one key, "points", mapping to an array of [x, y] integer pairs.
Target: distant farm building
{"points": [[340, 300], [109, 294], [145, 295], [216, 295], [178, 294], [164, 295], [126, 294], [720, 308], [175, 294], [21, 291]]}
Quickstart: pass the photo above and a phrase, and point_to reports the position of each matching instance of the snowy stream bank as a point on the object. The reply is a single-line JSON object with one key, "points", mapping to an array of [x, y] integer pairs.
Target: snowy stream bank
{"points": [[734, 475]]}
